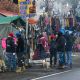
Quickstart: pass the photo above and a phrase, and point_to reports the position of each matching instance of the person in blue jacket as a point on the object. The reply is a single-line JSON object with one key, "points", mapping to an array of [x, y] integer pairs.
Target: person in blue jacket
{"points": [[61, 41], [68, 48]]}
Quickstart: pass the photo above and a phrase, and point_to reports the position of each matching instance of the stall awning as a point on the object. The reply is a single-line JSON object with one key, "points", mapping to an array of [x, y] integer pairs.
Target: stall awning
{"points": [[32, 21], [8, 20]]}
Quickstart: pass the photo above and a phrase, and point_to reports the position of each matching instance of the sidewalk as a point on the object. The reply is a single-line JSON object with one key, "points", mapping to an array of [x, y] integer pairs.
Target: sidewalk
{"points": [[36, 71]]}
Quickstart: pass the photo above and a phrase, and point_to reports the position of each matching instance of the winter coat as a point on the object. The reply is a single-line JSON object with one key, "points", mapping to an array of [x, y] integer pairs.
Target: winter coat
{"points": [[61, 41], [69, 43], [41, 51], [44, 43], [10, 45], [20, 46], [53, 46]]}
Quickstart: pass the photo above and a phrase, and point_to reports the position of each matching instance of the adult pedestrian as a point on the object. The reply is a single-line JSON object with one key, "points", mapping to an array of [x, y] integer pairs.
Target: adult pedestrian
{"points": [[69, 46], [20, 52], [61, 41], [10, 52], [41, 47], [53, 50]]}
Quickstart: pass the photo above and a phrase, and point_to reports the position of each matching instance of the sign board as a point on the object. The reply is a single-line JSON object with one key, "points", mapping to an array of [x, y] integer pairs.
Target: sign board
{"points": [[23, 8]]}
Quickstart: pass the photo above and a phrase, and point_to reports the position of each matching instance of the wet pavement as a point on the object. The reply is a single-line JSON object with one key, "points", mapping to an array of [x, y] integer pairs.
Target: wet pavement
{"points": [[37, 71], [66, 75]]}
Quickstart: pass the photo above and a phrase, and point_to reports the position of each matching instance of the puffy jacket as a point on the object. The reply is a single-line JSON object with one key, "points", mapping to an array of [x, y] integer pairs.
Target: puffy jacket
{"points": [[10, 45], [61, 41]]}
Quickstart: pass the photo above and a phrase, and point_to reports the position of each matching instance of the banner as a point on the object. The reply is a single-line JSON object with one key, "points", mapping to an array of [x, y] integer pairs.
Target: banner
{"points": [[26, 8], [23, 8]]}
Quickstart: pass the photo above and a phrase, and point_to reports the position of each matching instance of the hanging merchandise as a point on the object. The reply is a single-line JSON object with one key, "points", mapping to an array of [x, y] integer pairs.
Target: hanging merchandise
{"points": [[57, 24], [62, 21], [53, 23], [77, 18], [47, 29], [46, 21], [41, 23], [71, 22], [67, 22], [74, 22]]}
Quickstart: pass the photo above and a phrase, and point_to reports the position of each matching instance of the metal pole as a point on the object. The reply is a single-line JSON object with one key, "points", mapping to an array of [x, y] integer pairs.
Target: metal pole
{"points": [[26, 28]]}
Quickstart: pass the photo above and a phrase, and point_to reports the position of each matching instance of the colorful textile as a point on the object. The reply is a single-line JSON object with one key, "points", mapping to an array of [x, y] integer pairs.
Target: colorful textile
{"points": [[3, 42]]}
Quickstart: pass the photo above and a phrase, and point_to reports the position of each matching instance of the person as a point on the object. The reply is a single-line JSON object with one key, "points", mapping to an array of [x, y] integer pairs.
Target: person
{"points": [[69, 45], [53, 50], [43, 47], [10, 52], [61, 42], [20, 52]]}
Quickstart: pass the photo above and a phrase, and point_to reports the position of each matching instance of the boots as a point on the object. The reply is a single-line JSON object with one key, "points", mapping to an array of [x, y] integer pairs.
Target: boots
{"points": [[23, 68], [19, 69]]}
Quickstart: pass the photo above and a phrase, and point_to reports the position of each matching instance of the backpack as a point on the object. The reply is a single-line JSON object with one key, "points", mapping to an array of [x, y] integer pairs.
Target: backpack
{"points": [[10, 45], [3, 43], [52, 45]]}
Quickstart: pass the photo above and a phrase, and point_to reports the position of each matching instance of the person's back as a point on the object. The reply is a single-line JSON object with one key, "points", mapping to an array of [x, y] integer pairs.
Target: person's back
{"points": [[20, 45], [61, 41], [20, 52], [53, 50], [69, 43], [10, 45]]}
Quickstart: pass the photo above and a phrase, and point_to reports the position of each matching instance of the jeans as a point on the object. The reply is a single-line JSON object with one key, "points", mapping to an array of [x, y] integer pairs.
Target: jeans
{"points": [[11, 61], [61, 58], [53, 54], [69, 57]]}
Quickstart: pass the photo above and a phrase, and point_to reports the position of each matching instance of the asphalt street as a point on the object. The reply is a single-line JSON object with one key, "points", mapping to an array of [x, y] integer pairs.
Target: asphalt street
{"points": [[37, 72], [66, 75]]}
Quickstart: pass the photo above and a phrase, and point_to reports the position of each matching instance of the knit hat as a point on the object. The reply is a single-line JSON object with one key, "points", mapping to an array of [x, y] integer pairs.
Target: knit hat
{"points": [[18, 34], [62, 30], [52, 36], [11, 34]]}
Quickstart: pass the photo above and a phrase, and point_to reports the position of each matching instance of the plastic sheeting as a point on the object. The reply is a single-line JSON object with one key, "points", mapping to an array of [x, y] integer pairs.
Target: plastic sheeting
{"points": [[4, 30]]}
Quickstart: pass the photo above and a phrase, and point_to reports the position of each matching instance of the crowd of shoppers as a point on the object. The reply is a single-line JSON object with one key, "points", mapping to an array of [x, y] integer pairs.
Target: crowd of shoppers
{"points": [[60, 49], [14, 53], [57, 47]]}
